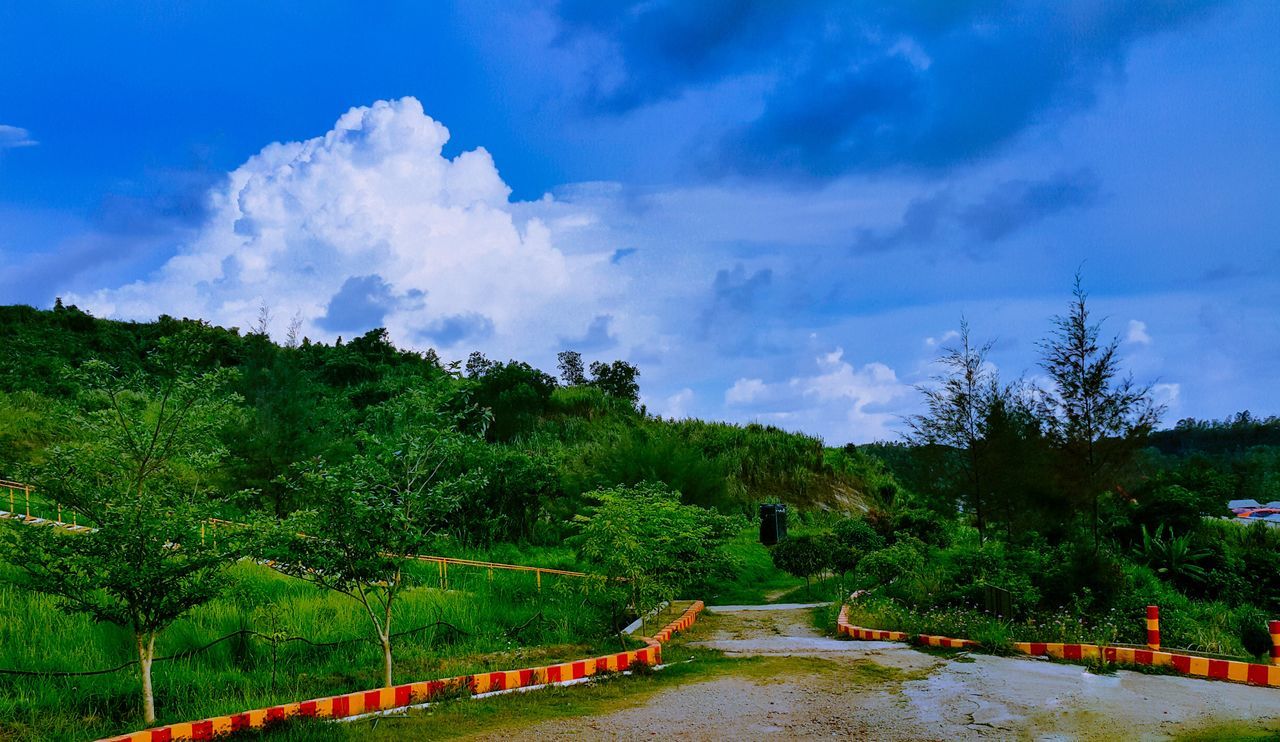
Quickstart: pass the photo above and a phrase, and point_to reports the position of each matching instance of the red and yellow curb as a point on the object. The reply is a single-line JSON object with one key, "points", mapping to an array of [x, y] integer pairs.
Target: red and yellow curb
{"points": [[1185, 664], [385, 699]]}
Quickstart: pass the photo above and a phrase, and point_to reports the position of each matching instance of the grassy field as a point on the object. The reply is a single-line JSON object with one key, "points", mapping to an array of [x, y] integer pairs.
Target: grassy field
{"points": [[759, 581], [480, 623]]}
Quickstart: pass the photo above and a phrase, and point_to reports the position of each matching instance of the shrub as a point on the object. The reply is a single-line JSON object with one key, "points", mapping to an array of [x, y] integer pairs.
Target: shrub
{"points": [[802, 556], [888, 564]]}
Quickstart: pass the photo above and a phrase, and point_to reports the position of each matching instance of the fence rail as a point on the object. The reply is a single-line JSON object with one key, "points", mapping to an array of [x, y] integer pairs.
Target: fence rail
{"points": [[23, 490]]}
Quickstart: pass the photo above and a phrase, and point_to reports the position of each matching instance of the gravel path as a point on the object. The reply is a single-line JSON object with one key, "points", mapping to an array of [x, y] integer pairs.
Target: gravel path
{"points": [[882, 690]]}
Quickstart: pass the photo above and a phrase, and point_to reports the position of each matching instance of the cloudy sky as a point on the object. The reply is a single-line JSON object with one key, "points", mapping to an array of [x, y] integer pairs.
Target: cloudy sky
{"points": [[779, 211]]}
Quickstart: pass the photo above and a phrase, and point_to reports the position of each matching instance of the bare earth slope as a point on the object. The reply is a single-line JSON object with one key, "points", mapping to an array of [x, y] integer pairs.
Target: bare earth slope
{"points": [[816, 686]]}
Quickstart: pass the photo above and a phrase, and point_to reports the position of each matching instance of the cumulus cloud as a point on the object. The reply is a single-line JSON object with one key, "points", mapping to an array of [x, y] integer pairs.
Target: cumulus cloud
{"points": [[861, 402], [12, 137], [371, 225], [1137, 333], [677, 405]]}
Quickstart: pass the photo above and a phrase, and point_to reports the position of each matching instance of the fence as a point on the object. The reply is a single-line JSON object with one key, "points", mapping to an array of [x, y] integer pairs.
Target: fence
{"points": [[22, 498]]}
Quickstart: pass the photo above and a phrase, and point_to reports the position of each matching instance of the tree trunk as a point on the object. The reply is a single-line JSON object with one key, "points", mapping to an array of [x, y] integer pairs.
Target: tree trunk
{"points": [[386, 660], [146, 651]]}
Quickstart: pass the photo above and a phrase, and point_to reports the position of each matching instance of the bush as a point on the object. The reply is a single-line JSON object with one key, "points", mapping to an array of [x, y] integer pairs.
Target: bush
{"points": [[922, 524], [888, 564], [802, 556], [856, 533]]}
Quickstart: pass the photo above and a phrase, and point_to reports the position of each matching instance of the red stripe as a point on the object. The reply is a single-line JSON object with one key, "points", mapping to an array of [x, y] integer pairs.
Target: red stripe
{"points": [[202, 729], [1153, 611], [307, 708], [602, 664], [526, 678], [1039, 648], [1071, 652], [1143, 656], [341, 706], [553, 674], [497, 681], [275, 713], [163, 734], [1218, 669], [624, 660], [434, 688], [373, 700], [404, 695], [239, 721], [1258, 674], [1182, 663], [579, 670]]}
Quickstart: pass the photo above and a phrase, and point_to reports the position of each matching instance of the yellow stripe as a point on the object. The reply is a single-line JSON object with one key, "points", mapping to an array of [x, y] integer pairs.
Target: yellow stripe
{"points": [[482, 683], [1088, 651], [221, 724], [612, 662], [1273, 675], [257, 717], [1024, 647], [512, 679], [1124, 654], [1161, 658], [1153, 624], [180, 731], [1199, 666], [1237, 671], [1053, 650], [355, 704], [291, 709]]}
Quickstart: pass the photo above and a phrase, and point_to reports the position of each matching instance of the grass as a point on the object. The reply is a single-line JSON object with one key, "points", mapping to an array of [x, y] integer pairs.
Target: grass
{"points": [[758, 581], [501, 624]]}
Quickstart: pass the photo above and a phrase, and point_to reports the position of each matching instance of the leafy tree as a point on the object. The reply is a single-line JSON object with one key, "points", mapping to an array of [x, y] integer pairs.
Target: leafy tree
{"points": [[802, 556], [572, 372], [617, 379], [1096, 419], [369, 513], [957, 413], [139, 473], [648, 547]]}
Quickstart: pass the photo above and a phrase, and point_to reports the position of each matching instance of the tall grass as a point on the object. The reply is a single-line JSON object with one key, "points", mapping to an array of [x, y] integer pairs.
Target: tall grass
{"points": [[479, 623]]}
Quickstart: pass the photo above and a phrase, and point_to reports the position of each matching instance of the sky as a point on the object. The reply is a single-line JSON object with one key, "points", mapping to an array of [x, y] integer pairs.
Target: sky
{"points": [[780, 212]]}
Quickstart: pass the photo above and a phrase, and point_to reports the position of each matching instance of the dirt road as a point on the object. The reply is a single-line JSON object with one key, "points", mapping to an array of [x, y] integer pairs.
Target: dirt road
{"points": [[811, 686]]}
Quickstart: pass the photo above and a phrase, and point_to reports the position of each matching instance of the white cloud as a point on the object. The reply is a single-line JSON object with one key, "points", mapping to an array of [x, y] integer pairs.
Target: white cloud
{"points": [[371, 225], [1166, 394], [13, 136], [1137, 333], [858, 404], [744, 391], [947, 337], [677, 405]]}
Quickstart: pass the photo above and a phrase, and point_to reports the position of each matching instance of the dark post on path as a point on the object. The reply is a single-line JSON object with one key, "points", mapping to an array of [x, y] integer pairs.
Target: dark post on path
{"points": [[773, 523]]}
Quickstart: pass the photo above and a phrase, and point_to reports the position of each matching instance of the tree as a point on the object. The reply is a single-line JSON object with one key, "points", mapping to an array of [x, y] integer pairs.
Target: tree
{"points": [[1096, 419], [139, 474], [803, 556], [369, 514], [648, 547], [617, 379], [957, 413], [571, 369]]}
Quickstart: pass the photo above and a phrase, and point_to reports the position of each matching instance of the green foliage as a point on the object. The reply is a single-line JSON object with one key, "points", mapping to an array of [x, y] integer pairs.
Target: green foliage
{"points": [[647, 546], [368, 513], [1173, 557], [148, 444], [903, 559], [803, 556]]}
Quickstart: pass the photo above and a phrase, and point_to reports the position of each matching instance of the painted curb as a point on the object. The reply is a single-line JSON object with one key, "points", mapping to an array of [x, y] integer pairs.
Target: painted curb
{"points": [[409, 694], [1235, 671]]}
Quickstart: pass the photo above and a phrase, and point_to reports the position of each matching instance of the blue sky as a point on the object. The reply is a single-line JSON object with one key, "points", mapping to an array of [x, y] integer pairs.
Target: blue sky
{"points": [[779, 211]]}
